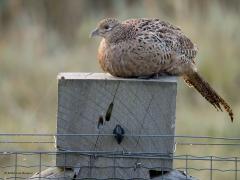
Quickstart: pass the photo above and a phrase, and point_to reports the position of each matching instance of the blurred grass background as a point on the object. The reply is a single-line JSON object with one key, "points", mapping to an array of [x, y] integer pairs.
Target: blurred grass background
{"points": [[40, 38]]}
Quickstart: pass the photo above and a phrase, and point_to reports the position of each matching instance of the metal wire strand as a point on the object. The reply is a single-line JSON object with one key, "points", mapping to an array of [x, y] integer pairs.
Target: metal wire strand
{"points": [[41, 158]]}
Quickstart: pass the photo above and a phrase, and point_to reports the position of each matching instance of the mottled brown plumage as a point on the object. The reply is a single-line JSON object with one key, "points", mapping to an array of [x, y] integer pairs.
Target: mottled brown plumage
{"points": [[145, 47]]}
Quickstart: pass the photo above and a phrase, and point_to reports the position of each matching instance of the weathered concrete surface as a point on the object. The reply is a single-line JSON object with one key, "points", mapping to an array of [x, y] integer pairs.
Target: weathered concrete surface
{"points": [[54, 173], [175, 175], [69, 174], [140, 107]]}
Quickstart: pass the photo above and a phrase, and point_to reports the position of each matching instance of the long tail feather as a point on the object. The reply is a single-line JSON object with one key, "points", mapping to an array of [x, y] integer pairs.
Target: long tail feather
{"points": [[207, 92]]}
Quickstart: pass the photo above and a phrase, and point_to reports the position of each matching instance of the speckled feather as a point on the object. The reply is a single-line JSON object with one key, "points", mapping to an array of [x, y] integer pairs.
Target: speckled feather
{"points": [[142, 47]]}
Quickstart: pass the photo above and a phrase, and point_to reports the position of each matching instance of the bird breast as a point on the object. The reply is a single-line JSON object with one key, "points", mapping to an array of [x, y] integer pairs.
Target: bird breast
{"points": [[130, 58]]}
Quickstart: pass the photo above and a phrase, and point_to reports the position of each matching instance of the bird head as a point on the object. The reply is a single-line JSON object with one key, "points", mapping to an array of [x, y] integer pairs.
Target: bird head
{"points": [[105, 27]]}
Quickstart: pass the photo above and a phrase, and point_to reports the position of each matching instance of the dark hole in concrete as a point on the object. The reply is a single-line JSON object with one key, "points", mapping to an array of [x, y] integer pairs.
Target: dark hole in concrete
{"points": [[100, 121], [118, 132], [156, 173], [109, 112]]}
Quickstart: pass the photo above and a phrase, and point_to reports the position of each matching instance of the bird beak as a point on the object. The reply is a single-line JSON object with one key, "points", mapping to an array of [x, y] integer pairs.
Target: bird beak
{"points": [[94, 33]]}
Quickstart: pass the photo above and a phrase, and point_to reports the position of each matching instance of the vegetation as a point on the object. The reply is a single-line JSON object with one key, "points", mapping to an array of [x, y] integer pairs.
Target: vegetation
{"points": [[40, 38]]}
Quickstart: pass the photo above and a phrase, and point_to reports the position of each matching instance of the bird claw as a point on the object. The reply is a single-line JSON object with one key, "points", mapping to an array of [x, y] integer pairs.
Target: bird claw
{"points": [[153, 76], [145, 77]]}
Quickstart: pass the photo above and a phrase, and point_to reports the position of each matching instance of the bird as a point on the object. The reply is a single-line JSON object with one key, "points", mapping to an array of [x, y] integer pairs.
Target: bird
{"points": [[146, 47]]}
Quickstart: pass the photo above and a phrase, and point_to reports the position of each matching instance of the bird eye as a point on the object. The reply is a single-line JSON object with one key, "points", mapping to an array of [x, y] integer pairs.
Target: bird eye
{"points": [[106, 27]]}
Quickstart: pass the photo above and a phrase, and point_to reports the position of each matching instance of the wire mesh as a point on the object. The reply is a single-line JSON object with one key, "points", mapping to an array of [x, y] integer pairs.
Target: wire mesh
{"points": [[22, 155]]}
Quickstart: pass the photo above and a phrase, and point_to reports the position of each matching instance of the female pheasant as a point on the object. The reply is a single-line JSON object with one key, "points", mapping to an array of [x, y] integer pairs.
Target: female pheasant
{"points": [[146, 47]]}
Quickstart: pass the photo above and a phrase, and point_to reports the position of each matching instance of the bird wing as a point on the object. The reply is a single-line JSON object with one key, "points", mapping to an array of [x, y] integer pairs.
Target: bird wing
{"points": [[169, 35], [148, 46]]}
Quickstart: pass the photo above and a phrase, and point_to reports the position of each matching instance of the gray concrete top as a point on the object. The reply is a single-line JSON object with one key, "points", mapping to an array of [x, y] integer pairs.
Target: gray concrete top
{"points": [[101, 76]]}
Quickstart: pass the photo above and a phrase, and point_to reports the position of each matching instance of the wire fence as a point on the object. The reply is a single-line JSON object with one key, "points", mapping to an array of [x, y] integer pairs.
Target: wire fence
{"points": [[22, 155]]}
